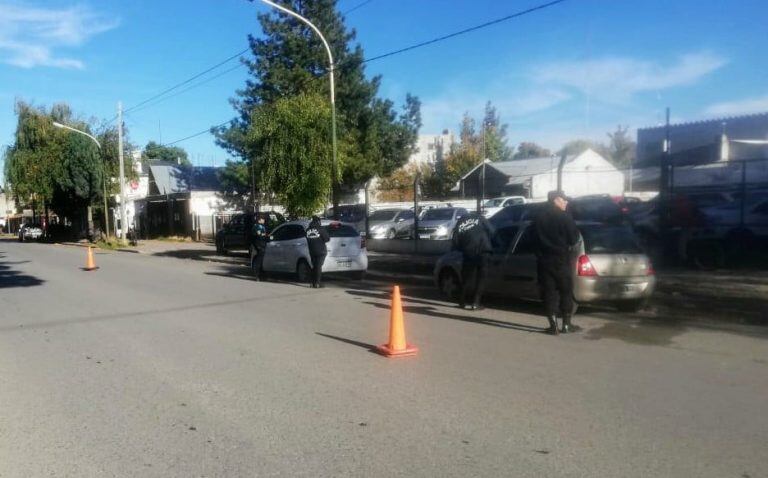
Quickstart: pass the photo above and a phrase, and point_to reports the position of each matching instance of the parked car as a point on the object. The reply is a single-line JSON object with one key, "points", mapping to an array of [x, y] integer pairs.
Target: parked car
{"points": [[492, 206], [437, 223], [287, 250], [386, 223], [30, 232], [609, 266], [516, 213], [349, 213], [598, 208], [238, 232]]}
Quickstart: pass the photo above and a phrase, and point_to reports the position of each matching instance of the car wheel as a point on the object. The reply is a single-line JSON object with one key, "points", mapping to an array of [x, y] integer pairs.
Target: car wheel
{"points": [[303, 271], [391, 234], [450, 285], [635, 305]]}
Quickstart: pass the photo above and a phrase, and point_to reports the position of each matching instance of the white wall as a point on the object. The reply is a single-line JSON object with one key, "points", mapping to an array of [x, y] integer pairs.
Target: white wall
{"points": [[589, 173]]}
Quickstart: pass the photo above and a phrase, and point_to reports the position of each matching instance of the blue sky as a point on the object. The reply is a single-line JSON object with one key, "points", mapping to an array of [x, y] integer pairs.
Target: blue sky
{"points": [[575, 70]]}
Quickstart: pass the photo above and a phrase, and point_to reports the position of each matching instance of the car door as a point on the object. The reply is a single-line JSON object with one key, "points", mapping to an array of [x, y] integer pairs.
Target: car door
{"points": [[520, 272], [294, 246], [273, 253], [234, 228], [501, 243]]}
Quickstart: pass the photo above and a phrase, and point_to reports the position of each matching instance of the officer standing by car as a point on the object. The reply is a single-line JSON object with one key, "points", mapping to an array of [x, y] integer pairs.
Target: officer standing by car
{"points": [[259, 234], [317, 236], [472, 236], [557, 234]]}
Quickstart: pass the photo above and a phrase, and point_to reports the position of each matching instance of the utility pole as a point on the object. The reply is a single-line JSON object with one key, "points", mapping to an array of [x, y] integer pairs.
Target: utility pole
{"points": [[123, 218]]}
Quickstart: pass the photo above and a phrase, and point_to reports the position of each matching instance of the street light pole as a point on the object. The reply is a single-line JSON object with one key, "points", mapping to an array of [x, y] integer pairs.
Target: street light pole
{"points": [[103, 168], [123, 217], [335, 172]]}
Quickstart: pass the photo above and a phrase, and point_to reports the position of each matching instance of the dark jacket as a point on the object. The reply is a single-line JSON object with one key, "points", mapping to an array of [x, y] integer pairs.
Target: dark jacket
{"points": [[556, 233], [259, 234], [317, 236], [472, 236]]}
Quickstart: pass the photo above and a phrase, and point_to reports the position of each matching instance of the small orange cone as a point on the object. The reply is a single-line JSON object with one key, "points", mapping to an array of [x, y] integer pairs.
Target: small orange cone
{"points": [[90, 265], [397, 346]]}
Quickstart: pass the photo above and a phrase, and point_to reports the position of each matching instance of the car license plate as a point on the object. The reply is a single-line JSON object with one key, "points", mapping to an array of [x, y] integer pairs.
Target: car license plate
{"points": [[631, 287], [423, 236], [345, 264]]}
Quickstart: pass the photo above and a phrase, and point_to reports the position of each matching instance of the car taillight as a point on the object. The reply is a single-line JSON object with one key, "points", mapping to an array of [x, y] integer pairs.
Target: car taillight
{"points": [[649, 270], [585, 267]]}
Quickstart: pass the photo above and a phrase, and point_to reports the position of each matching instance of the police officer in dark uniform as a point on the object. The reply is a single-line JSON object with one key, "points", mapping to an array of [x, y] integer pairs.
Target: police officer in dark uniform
{"points": [[259, 234], [557, 234], [472, 236], [317, 236]]}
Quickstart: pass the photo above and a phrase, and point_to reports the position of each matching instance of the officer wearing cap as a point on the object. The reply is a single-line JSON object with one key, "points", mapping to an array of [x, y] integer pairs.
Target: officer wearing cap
{"points": [[557, 234]]}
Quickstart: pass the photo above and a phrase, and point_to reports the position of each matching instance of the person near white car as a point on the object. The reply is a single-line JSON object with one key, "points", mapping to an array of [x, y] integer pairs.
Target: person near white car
{"points": [[317, 236]]}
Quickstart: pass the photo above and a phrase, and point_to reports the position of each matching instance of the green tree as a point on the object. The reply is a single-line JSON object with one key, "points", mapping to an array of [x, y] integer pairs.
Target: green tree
{"points": [[291, 134], [464, 155], [494, 135], [157, 152], [291, 60], [527, 150], [621, 148]]}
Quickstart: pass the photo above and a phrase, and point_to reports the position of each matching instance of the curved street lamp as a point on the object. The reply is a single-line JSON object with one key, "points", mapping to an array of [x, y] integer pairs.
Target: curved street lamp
{"points": [[333, 96], [104, 168]]}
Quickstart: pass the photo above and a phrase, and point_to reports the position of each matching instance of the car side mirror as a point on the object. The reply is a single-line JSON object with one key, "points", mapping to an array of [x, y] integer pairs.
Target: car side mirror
{"points": [[400, 219]]}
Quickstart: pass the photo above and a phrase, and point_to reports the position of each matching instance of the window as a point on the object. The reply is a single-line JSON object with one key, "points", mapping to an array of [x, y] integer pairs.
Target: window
{"points": [[408, 214], [503, 239], [461, 212], [603, 239], [527, 243], [383, 215], [289, 232], [336, 229], [236, 220], [438, 215]]}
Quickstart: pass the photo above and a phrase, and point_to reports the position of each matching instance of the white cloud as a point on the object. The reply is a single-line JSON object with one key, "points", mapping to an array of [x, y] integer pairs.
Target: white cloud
{"points": [[617, 79], [29, 35], [738, 107]]}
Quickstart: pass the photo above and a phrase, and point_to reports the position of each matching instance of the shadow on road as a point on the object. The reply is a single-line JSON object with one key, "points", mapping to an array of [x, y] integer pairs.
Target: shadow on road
{"points": [[368, 347], [207, 254], [10, 277]]}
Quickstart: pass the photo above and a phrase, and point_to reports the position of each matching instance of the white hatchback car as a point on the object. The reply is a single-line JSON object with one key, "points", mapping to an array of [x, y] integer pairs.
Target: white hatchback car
{"points": [[287, 250]]}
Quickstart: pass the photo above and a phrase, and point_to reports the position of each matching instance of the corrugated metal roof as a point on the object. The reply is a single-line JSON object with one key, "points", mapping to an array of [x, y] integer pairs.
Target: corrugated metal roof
{"points": [[173, 178]]}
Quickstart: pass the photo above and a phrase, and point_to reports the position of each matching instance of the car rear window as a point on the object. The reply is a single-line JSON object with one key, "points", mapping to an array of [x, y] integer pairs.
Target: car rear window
{"points": [[383, 215], [602, 239], [438, 215], [341, 230]]}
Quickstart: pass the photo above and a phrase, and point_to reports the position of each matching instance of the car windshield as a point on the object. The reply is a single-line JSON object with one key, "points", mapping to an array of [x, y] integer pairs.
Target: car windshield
{"points": [[340, 230], [494, 202], [438, 215], [603, 239], [384, 215]]}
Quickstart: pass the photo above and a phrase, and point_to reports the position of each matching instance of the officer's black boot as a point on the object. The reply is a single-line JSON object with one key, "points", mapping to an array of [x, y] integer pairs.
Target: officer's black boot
{"points": [[552, 325], [567, 327]]}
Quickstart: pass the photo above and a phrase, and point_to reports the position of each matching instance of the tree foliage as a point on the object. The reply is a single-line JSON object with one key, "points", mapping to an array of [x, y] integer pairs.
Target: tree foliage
{"points": [[290, 60], [494, 136], [527, 150], [157, 152], [59, 168], [621, 147], [291, 134]]}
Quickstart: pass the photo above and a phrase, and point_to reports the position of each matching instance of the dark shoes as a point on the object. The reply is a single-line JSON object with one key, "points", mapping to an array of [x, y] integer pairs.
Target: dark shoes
{"points": [[567, 326], [552, 330]]}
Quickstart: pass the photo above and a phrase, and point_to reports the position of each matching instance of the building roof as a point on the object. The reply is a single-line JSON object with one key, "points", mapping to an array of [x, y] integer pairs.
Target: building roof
{"points": [[171, 178], [714, 121], [518, 170]]}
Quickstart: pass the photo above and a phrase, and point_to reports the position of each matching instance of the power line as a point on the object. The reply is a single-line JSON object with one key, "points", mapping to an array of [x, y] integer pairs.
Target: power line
{"points": [[207, 80], [379, 57], [359, 5], [188, 80], [207, 130], [465, 31]]}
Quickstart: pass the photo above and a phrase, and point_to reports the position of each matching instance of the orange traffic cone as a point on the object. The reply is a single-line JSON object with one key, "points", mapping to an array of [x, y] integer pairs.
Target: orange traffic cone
{"points": [[90, 265], [397, 346]]}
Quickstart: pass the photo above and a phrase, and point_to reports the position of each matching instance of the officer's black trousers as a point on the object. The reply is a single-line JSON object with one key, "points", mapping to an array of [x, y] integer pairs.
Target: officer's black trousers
{"points": [[556, 285], [258, 259], [473, 273], [317, 268]]}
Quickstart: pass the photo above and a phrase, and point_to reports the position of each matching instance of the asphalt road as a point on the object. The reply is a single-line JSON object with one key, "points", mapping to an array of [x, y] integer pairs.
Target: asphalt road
{"points": [[161, 367]]}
